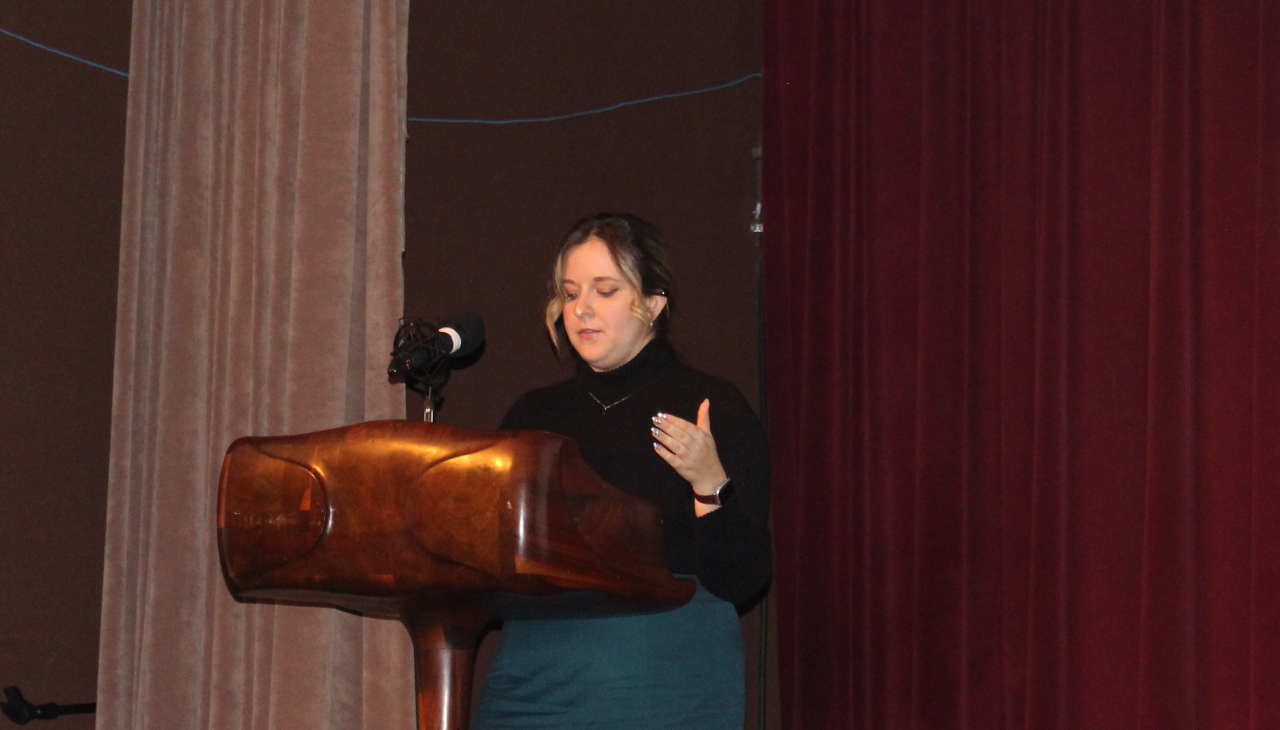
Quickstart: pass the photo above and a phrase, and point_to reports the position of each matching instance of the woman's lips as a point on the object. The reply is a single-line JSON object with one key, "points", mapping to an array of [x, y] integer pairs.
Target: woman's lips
{"points": [[587, 334]]}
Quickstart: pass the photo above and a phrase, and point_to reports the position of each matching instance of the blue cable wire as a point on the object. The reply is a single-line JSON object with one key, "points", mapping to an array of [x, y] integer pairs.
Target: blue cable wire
{"points": [[62, 53], [556, 118], [735, 82]]}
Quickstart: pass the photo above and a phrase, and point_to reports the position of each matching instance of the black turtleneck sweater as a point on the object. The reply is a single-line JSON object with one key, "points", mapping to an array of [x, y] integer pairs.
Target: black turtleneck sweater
{"points": [[728, 549]]}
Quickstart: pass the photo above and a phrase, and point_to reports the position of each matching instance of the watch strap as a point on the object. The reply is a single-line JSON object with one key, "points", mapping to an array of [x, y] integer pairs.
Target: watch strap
{"points": [[718, 497]]}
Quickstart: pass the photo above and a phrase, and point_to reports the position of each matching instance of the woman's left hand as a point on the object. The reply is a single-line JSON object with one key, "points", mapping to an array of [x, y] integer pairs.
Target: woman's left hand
{"points": [[690, 449]]}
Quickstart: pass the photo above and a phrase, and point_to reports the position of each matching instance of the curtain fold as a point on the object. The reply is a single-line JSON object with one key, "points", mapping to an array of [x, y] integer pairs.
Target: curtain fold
{"points": [[1024, 389], [259, 284]]}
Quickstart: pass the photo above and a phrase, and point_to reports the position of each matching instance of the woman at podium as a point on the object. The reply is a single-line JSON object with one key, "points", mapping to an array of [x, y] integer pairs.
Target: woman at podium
{"points": [[687, 441]]}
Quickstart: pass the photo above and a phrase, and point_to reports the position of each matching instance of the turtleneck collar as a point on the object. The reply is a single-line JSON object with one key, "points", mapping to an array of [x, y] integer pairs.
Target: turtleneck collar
{"points": [[652, 358]]}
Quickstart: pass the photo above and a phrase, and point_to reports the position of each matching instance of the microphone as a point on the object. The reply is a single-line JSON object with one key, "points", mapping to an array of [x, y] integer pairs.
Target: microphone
{"points": [[465, 331], [421, 349]]}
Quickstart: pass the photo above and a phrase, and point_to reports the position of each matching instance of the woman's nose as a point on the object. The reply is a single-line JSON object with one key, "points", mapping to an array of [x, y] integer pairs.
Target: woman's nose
{"points": [[581, 309]]}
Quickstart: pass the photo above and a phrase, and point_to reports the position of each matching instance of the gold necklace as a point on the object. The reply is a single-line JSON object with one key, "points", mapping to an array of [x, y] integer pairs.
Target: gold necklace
{"points": [[611, 405]]}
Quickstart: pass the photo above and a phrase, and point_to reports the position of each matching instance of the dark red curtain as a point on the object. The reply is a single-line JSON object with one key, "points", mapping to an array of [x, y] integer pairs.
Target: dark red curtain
{"points": [[1023, 310]]}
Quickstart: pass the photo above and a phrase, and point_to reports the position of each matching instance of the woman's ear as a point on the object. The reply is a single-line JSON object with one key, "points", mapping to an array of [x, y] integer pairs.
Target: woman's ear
{"points": [[655, 304]]}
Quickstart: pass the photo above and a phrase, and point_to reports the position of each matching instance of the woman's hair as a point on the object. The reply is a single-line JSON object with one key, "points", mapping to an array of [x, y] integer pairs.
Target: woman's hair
{"points": [[640, 252]]}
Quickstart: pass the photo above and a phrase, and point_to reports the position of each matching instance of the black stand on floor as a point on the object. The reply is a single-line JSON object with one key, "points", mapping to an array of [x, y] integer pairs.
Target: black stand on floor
{"points": [[22, 712]]}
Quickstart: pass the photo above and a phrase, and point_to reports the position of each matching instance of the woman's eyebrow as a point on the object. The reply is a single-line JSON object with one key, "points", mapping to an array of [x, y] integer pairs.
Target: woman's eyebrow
{"points": [[598, 278]]}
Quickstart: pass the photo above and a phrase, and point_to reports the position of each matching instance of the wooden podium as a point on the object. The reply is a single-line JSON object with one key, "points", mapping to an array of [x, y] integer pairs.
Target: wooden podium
{"points": [[442, 528]]}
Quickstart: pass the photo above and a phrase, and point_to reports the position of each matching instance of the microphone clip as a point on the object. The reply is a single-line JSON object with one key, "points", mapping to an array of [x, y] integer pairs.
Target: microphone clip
{"points": [[420, 355]]}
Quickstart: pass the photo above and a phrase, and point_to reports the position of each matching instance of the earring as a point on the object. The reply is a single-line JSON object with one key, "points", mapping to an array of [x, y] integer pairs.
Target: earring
{"points": [[651, 325]]}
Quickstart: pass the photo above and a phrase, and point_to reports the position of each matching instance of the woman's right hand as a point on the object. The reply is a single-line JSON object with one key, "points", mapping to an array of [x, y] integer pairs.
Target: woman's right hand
{"points": [[690, 449]]}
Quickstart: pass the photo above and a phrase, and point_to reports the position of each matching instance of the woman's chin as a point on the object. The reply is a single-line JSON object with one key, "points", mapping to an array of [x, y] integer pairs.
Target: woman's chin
{"points": [[590, 354], [599, 361]]}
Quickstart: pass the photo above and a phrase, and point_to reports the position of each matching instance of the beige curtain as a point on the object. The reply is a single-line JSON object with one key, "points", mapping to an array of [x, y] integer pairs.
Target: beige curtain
{"points": [[259, 289]]}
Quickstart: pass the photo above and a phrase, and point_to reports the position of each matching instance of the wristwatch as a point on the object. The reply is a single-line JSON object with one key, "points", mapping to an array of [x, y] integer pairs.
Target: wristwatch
{"points": [[723, 494]]}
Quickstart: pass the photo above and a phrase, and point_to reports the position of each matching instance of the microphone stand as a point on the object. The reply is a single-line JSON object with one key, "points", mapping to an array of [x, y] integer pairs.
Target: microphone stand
{"points": [[429, 403]]}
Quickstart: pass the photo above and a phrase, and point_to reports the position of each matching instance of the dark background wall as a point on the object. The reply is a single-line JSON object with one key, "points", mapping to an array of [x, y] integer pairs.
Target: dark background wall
{"points": [[61, 160], [487, 204]]}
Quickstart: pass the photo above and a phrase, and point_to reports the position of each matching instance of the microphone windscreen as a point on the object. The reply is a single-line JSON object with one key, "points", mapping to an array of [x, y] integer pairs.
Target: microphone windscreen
{"points": [[470, 329]]}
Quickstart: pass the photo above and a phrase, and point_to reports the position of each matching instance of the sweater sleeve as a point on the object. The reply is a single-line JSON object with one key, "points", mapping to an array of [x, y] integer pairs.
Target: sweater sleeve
{"points": [[735, 555]]}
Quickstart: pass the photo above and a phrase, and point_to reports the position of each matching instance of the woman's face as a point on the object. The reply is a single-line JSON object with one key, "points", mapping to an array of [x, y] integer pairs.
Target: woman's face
{"points": [[597, 308]]}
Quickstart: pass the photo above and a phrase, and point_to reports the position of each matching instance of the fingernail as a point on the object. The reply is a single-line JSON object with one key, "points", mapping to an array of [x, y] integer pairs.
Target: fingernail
{"points": [[655, 431], [657, 446], [657, 420]]}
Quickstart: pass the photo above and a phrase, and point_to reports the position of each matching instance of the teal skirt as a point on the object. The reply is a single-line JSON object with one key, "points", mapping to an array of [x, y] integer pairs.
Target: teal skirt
{"points": [[679, 669]]}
